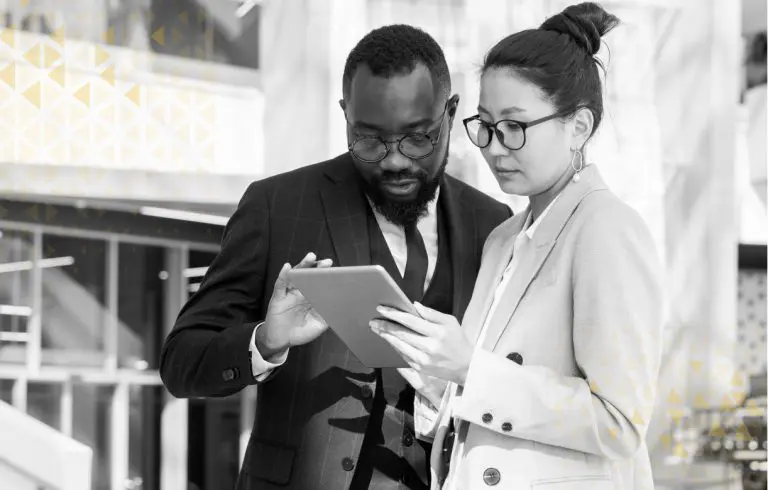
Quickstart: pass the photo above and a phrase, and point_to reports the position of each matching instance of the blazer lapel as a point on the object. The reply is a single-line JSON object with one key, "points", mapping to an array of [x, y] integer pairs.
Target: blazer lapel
{"points": [[462, 233], [497, 256], [538, 250], [346, 214]]}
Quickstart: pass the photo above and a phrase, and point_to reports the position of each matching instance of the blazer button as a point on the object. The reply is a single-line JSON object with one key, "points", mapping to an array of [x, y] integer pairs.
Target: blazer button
{"points": [[366, 391], [348, 464], [506, 427], [491, 476], [407, 440], [229, 374], [515, 357], [487, 418]]}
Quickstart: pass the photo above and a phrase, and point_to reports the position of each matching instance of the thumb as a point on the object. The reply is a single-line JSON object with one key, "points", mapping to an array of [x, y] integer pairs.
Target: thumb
{"points": [[281, 283]]}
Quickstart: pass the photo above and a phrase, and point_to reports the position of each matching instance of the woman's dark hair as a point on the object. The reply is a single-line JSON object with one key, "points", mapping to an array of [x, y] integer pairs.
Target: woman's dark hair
{"points": [[559, 57]]}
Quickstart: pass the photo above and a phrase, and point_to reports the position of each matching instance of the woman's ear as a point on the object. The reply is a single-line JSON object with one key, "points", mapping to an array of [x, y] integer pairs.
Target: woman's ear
{"points": [[583, 122]]}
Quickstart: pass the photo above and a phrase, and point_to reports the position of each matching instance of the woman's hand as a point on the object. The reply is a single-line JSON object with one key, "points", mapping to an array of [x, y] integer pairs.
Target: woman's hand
{"points": [[434, 345]]}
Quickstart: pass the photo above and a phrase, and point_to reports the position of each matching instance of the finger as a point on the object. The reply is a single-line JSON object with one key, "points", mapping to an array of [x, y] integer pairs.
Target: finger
{"points": [[325, 263], [409, 320], [431, 315], [281, 283], [404, 334], [308, 261], [414, 357]]}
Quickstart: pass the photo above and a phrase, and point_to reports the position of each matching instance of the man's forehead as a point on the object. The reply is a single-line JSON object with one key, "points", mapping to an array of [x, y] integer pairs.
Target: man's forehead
{"points": [[408, 99]]}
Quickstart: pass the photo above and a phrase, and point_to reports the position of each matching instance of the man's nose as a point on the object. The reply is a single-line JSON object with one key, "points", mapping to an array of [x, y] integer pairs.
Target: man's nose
{"points": [[395, 161]]}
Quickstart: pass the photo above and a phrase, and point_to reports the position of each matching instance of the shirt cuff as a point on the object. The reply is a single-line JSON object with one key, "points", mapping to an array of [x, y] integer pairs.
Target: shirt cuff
{"points": [[260, 367]]}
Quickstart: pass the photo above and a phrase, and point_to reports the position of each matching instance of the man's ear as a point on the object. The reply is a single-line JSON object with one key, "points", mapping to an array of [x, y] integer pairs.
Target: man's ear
{"points": [[452, 107]]}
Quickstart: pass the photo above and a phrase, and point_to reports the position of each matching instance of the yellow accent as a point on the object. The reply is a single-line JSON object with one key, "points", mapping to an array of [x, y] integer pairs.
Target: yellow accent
{"points": [[109, 36], [83, 94], [58, 75], [108, 75], [184, 17], [638, 419], [674, 398], [680, 451], [8, 75], [717, 430], [696, 366], [134, 94], [700, 401], [159, 36], [59, 36], [50, 56], [33, 55], [101, 55], [33, 94], [8, 37]]}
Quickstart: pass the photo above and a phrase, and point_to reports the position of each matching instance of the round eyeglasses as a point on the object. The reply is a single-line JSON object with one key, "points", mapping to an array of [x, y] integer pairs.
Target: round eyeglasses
{"points": [[510, 133], [373, 149]]}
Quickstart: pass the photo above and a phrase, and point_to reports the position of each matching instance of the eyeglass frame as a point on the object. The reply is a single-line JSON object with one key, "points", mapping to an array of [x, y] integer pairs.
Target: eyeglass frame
{"points": [[523, 125], [399, 141]]}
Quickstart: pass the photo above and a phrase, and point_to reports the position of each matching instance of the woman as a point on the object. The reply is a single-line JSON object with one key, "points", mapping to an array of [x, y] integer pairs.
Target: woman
{"points": [[553, 372]]}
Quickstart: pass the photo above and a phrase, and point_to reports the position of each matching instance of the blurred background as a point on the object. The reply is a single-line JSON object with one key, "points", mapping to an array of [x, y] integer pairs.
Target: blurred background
{"points": [[130, 129]]}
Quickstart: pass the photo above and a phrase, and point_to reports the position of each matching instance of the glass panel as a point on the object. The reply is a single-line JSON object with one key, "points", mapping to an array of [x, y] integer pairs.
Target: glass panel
{"points": [[144, 454], [74, 298], [140, 303], [16, 254], [44, 403], [92, 410], [198, 266], [6, 390], [214, 441]]}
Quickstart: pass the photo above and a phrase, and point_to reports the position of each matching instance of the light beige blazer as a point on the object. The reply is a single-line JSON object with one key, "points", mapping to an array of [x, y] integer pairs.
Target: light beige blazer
{"points": [[559, 394]]}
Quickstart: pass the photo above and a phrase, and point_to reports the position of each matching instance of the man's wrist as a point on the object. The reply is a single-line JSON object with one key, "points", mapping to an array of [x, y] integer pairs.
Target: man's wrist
{"points": [[268, 348]]}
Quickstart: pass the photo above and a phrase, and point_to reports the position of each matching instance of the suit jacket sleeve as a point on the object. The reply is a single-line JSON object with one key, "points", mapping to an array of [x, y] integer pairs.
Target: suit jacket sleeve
{"points": [[207, 352], [617, 320]]}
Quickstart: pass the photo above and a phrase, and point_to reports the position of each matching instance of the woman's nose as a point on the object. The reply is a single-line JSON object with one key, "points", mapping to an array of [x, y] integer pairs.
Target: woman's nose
{"points": [[495, 148]]}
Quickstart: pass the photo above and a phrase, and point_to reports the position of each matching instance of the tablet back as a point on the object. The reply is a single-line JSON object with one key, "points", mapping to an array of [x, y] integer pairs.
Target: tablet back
{"points": [[346, 298]]}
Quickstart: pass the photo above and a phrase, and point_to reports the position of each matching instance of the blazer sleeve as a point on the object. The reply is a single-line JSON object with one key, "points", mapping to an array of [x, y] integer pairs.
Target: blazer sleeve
{"points": [[207, 352], [617, 326]]}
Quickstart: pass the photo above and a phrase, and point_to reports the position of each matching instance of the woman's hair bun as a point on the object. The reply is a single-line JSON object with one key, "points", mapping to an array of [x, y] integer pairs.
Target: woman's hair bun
{"points": [[586, 23]]}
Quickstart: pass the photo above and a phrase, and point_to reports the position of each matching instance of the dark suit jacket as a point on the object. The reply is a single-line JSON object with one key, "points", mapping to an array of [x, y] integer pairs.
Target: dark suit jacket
{"points": [[312, 414]]}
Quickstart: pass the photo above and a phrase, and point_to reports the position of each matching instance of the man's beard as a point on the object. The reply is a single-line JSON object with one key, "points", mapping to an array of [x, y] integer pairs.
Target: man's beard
{"points": [[405, 213]]}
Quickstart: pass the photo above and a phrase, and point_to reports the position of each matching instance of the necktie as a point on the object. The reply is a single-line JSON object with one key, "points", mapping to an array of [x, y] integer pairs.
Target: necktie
{"points": [[415, 265]]}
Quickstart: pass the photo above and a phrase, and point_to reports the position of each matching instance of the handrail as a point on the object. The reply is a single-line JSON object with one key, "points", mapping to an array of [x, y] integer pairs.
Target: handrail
{"points": [[41, 453]]}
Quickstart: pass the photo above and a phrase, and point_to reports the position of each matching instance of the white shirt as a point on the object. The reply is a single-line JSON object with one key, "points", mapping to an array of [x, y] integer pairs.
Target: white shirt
{"points": [[424, 413], [522, 241]]}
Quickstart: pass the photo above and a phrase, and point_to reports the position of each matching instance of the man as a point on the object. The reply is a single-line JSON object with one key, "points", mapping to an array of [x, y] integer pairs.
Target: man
{"points": [[323, 420]]}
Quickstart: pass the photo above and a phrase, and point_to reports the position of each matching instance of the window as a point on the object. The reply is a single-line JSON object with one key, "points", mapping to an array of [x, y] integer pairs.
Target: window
{"points": [[140, 305], [74, 314], [16, 255]]}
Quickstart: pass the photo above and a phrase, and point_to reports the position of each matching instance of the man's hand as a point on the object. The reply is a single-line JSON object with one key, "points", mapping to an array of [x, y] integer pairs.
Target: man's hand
{"points": [[290, 319]]}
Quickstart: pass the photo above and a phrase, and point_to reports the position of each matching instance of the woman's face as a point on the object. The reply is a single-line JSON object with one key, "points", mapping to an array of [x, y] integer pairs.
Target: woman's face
{"points": [[546, 155]]}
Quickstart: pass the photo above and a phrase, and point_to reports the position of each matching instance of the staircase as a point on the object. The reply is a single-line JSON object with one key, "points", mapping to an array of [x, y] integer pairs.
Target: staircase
{"points": [[33, 456]]}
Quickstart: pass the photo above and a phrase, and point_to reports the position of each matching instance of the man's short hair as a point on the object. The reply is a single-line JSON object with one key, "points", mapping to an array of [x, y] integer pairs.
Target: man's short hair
{"points": [[396, 50]]}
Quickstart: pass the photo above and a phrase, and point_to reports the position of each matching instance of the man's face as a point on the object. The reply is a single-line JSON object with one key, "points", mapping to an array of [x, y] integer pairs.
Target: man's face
{"points": [[389, 108]]}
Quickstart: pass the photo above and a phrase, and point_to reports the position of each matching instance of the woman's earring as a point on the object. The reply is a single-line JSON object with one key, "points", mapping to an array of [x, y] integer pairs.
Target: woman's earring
{"points": [[576, 176]]}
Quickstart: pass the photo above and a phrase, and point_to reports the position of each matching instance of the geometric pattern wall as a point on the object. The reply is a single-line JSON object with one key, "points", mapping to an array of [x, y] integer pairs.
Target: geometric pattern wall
{"points": [[66, 102], [751, 352]]}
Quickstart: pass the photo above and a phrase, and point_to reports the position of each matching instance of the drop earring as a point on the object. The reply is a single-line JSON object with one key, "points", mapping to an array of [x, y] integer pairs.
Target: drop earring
{"points": [[577, 170]]}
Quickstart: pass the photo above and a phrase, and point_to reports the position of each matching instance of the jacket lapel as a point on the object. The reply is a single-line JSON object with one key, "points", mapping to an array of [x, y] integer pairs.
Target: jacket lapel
{"points": [[346, 214], [497, 255], [462, 234], [536, 253]]}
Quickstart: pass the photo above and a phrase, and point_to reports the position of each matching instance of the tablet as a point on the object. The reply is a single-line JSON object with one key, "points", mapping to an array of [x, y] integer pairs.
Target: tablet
{"points": [[346, 298]]}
